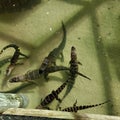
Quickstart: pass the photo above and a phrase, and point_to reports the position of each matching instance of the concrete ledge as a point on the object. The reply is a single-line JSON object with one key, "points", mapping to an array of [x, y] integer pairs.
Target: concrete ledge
{"points": [[48, 114]]}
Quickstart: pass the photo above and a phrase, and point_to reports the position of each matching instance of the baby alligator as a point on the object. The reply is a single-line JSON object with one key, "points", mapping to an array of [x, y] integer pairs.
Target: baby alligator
{"points": [[6, 60], [35, 74], [73, 71], [14, 58], [53, 95], [54, 54], [75, 108]]}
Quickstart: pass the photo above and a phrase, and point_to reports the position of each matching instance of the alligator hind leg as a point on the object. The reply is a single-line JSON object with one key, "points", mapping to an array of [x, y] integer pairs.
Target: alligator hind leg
{"points": [[59, 100], [75, 103], [62, 57]]}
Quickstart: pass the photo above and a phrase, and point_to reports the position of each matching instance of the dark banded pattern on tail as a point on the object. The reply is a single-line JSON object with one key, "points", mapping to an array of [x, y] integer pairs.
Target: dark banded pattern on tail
{"points": [[58, 91], [76, 108], [53, 95]]}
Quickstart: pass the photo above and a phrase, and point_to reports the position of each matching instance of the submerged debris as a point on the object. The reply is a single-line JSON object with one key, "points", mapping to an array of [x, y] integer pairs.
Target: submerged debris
{"points": [[9, 100]]}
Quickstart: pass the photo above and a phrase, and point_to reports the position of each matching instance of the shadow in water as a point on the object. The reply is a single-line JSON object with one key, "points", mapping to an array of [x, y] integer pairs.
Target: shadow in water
{"points": [[18, 88], [77, 2], [54, 78], [85, 10], [4, 82], [78, 16], [10, 10], [106, 77], [26, 88], [114, 54], [14, 40]]}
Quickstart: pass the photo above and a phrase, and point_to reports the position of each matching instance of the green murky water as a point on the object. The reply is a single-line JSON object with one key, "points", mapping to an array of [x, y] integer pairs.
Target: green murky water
{"points": [[92, 27]]}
